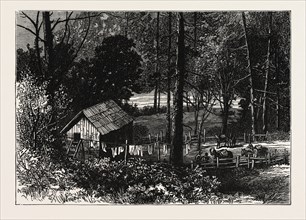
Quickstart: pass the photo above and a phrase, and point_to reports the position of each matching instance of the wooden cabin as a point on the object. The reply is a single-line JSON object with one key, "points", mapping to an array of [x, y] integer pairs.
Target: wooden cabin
{"points": [[93, 128]]}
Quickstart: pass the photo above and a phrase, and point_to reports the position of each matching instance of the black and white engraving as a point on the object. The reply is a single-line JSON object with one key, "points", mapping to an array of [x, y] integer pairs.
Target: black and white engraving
{"points": [[153, 107]]}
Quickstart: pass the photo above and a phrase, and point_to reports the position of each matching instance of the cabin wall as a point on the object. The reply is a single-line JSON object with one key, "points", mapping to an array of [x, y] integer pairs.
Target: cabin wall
{"points": [[86, 129]]}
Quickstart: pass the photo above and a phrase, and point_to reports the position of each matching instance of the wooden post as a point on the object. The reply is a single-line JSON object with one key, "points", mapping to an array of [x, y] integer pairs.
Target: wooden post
{"points": [[204, 135], [249, 161], [285, 156], [237, 160], [77, 149], [158, 152], [269, 158], [69, 147], [253, 163], [150, 138], [125, 151], [161, 136], [83, 151], [244, 137], [217, 162]]}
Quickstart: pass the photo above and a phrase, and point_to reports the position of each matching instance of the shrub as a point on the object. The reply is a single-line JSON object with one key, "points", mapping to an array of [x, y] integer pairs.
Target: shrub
{"points": [[231, 179], [38, 174], [139, 182], [278, 136]]}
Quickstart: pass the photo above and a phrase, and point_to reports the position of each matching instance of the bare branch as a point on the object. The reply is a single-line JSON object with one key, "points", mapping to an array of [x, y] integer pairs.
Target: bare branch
{"points": [[31, 31], [30, 19], [68, 18], [238, 81], [258, 90], [76, 18]]}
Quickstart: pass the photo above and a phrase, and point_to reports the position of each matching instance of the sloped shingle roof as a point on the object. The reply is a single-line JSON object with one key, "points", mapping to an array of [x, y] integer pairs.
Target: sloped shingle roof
{"points": [[106, 117]]}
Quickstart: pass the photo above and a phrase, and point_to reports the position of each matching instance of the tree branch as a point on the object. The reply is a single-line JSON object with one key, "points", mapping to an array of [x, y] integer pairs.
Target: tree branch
{"points": [[31, 31]]}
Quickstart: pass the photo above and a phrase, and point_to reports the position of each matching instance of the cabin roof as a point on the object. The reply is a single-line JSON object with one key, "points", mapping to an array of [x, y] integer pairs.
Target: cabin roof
{"points": [[105, 117]]}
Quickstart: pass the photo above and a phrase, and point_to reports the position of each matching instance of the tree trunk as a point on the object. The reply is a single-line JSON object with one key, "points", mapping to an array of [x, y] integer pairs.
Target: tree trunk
{"points": [[200, 131], [155, 96], [168, 115], [48, 41], [196, 114], [177, 141], [225, 115], [126, 29], [251, 76], [277, 121], [264, 107], [157, 79]]}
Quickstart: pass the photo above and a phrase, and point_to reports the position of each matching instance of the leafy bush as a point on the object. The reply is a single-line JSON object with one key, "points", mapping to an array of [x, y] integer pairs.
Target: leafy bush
{"points": [[278, 136], [38, 173], [139, 182], [231, 179]]}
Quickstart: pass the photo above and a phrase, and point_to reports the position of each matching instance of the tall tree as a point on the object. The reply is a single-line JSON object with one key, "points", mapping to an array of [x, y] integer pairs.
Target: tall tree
{"points": [[177, 156], [157, 73], [168, 115], [267, 69], [249, 67]]}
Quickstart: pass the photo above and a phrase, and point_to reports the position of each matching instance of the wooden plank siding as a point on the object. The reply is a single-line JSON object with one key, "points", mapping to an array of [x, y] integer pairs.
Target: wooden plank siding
{"points": [[86, 129]]}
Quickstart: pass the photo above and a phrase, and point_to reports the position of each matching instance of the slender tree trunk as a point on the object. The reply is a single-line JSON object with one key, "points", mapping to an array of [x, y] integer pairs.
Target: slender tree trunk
{"points": [[277, 122], [251, 75], [225, 115], [168, 116], [155, 96], [264, 107], [126, 29], [157, 79], [196, 114], [200, 131], [196, 99], [177, 141], [257, 114]]}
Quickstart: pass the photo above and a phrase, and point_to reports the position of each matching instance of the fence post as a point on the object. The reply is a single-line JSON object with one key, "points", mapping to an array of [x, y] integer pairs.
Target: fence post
{"points": [[125, 151], [204, 135], [244, 137], [269, 158], [83, 151], [161, 136], [253, 163], [237, 160], [150, 138], [285, 156], [217, 162], [158, 150], [249, 161]]}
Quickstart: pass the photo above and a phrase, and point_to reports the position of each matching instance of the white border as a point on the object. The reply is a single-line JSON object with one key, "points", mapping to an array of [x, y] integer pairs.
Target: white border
{"points": [[11, 211]]}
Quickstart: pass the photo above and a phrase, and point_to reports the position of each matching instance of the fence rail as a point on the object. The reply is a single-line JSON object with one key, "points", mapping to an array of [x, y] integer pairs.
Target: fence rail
{"points": [[250, 162]]}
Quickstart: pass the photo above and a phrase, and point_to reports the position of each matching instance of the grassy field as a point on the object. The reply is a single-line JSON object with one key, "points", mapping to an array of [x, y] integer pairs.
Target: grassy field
{"points": [[156, 123]]}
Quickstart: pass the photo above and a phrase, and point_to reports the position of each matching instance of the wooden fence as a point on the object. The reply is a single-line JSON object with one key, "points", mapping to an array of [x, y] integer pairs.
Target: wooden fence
{"points": [[239, 161]]}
